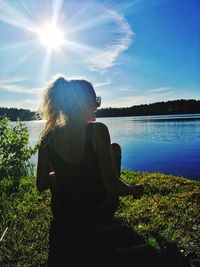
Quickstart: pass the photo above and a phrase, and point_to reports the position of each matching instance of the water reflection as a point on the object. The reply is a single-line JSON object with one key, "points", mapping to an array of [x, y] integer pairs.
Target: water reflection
{"points": [[168, 144]]}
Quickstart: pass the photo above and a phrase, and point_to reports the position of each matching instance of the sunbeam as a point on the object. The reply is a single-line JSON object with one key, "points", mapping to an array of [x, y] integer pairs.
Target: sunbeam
{"points": [[21, 61], [56, 8], [18, 45], [44, 67], [80, 48], [102, 18], [15, 17], [60, 32]]}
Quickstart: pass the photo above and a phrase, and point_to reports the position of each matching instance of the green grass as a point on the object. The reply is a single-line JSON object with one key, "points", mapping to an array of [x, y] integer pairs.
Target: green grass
{"points": [[167, 212], [27, 215]]}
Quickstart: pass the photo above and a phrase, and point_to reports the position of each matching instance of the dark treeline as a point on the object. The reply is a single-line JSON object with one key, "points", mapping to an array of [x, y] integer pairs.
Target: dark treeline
{"points": [[160, 108], [14, 114]]}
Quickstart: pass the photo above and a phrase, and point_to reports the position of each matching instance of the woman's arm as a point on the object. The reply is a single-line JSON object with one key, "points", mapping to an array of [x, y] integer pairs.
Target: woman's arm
{"points": [[45, 177], [105, 160], [112, 183]]}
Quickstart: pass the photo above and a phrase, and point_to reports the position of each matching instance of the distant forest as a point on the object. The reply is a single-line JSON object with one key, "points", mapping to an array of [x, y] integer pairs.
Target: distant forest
{"points": [[15, 114], [160, 108]]}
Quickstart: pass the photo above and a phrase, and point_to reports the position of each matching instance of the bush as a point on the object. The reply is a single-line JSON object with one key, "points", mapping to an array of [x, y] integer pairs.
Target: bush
{"points": [[15, 154]]}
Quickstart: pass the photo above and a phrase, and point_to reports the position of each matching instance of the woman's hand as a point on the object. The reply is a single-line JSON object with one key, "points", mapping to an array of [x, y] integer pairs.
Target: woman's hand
{"points": [[52, 181], [136, 190]]}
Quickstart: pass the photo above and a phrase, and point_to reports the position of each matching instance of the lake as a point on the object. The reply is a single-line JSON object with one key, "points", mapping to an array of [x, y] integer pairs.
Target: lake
{"points": [[168, 144]]}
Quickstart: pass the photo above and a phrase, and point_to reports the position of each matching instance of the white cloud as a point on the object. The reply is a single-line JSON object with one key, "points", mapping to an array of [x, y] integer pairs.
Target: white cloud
{"points": [[13, 80], [161, 90], [100, 84], [106, 57], [12, 86], [150, 96], [128, 89], [125, 101], [29, 104]]}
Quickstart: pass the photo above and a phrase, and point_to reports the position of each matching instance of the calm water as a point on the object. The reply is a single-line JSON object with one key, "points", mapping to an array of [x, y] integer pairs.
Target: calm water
{"points": [[169, 144]]}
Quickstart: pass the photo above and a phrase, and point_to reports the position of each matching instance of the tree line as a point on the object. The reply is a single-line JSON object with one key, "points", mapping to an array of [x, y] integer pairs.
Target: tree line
{"points": [[15, 114], [160, 108]]}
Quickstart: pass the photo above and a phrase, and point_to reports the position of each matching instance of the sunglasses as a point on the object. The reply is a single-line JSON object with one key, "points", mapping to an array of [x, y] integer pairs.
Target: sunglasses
{"points": [[98, 100]]}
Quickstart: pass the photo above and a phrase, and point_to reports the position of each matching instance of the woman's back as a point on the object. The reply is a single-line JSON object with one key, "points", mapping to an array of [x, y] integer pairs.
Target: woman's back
{"points": [[79, 188], [69, 142]]}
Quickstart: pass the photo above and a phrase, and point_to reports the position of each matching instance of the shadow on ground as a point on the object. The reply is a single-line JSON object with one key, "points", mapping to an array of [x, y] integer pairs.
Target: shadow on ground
{"points": [[116, 245], [121, 245]]}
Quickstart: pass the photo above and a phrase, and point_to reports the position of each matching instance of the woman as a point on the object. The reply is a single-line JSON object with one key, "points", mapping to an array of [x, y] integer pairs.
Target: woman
{"points": [[77, 162]]}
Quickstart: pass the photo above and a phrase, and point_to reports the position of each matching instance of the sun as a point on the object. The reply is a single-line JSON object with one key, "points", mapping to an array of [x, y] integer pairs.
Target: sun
{"points": [[51, 37]]}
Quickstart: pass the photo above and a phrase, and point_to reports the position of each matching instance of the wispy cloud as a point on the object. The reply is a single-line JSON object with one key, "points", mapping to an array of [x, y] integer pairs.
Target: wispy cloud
{"points": [[161, 90], [13, 79], [149, 96], [12, 85], [106, 57], [104, 83], [129, 101], [29, 104], [128, 89]]}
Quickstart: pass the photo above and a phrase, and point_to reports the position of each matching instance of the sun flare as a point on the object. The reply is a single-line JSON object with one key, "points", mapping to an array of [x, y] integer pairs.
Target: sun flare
{"points": [[51, 37]]}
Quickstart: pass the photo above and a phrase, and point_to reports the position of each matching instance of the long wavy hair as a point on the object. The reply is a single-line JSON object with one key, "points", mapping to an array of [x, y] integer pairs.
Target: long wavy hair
{"points": [[64, 101]]}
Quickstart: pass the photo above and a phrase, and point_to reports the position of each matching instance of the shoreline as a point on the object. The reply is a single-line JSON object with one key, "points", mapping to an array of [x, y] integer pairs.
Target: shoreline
{"points": [[152, 116]]}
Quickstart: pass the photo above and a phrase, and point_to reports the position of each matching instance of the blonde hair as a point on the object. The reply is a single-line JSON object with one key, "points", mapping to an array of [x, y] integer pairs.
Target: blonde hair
{"points": [[63, 101]]}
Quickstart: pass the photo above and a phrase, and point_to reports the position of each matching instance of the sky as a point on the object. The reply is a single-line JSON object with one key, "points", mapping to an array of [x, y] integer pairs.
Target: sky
{"points": [[132, 51]]}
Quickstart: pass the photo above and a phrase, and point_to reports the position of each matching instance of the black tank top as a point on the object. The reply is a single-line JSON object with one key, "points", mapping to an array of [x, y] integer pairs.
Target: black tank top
{"points": [[80, 190]]}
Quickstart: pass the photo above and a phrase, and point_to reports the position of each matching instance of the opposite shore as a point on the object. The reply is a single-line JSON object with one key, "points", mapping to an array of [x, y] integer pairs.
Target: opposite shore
{"points": [[181, 106]]}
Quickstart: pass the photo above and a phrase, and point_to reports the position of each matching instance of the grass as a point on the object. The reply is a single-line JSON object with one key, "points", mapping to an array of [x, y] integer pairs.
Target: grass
{"points": [[168, 212]]}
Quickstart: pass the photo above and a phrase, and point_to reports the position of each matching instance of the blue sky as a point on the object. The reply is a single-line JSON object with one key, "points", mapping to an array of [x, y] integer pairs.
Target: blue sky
{"points": [[134, 52]]}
